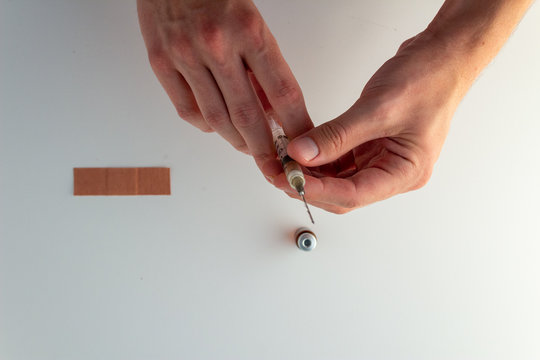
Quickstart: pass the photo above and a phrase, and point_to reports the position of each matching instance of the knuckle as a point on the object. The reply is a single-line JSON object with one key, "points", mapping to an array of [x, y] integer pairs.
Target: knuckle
{"points": [[186, 112], [159, 61], [182, 50], [194, 118], [210, 32], [212, 39], [245, 116], [406, 43], [216, 119], [242, 148], [340, 211], [179, 44], [257, 42], [423, 176], [350, 204], [287, 92], [249, 21], [334, 134], [252, 26]]}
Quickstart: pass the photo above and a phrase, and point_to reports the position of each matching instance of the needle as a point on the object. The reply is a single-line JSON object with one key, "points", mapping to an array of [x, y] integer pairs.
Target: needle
{"points": [[307, 208], [292, 169]]}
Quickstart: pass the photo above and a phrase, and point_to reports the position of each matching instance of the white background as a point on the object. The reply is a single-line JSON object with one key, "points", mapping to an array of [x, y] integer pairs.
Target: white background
{"points": [[447, 272]]}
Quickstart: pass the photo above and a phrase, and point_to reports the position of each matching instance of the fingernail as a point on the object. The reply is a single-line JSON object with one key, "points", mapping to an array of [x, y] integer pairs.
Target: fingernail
{"points": [[307, 148]]}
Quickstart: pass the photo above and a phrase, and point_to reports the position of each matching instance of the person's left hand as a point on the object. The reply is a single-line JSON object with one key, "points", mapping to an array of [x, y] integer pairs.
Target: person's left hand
{"points": [[389, 140]]}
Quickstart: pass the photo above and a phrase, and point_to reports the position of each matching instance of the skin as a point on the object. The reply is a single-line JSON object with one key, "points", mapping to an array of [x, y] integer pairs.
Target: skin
{"points": [[203, 52], [386, 144], [389, 140]]}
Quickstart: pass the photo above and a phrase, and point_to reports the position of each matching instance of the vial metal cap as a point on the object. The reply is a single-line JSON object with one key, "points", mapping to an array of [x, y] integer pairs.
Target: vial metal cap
{"points": [[305, 239]]}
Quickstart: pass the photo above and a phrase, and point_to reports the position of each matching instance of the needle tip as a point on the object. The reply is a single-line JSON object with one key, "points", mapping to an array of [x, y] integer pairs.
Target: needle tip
{"points": [[307, 208]]}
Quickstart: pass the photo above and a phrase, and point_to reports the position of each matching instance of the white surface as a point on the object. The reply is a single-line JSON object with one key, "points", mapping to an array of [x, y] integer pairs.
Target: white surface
{"points": [[448, 272]]}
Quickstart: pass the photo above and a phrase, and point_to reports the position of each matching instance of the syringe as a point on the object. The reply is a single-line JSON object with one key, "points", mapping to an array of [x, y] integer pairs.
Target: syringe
{"points": [[292, 169]]}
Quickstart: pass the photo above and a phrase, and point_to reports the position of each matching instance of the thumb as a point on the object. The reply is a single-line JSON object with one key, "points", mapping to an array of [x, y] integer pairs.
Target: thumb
{"points": [[335, 138]]}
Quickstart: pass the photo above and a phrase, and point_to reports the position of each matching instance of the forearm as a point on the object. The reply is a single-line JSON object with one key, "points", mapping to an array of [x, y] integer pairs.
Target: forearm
{"points": [[473, 31]]}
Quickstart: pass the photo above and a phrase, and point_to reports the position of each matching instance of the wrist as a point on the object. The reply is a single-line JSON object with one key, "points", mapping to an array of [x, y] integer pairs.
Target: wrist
{"points": [[473, 32], [436, 65]]}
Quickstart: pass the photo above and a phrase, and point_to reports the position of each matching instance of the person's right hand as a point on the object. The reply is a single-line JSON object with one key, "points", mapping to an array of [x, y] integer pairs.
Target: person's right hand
{"points": [[202, 50]]}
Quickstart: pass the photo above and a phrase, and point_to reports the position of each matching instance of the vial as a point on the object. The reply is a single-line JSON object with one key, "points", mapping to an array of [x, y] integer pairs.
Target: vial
{"points": [[305, 239]]}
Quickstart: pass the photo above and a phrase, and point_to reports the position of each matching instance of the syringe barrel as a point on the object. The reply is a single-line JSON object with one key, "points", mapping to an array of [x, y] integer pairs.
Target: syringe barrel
{"points": [[292, 169], [281, 141]]}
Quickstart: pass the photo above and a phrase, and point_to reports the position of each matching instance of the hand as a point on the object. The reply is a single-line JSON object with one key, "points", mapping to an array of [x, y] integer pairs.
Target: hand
{"points": [[202, 50], [389, 140]]}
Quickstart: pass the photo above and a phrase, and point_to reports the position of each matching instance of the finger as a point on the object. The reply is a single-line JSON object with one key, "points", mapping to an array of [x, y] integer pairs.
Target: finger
{"points": [[335, 138], [182, 98], [365, 187], [259, 91], [271, 168], [328, 190], [267, 107], [345, 164], [330, 208], [244, 109], [281, 89], [212, 106], [328, 169]]}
